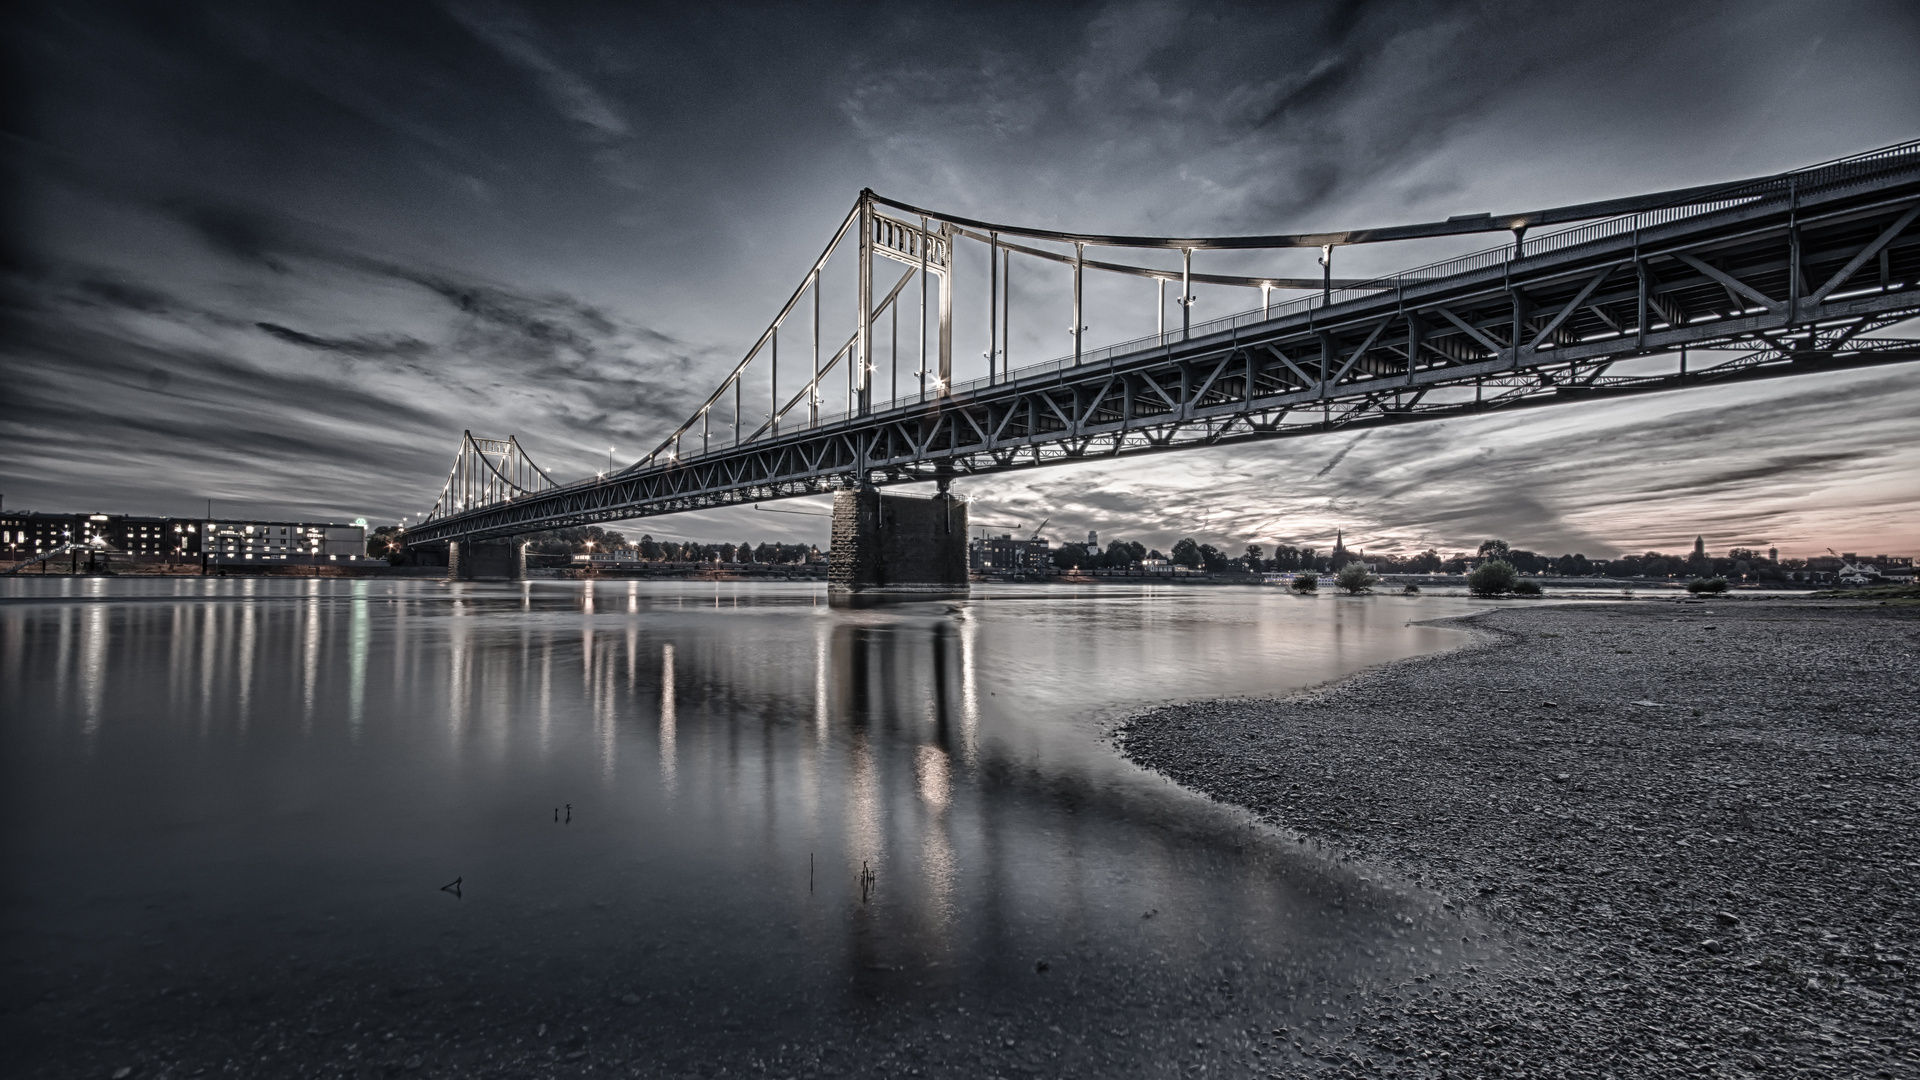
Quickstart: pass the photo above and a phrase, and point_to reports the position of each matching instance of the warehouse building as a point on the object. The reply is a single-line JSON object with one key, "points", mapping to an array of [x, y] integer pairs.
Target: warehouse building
{"points": [[26, 534]]}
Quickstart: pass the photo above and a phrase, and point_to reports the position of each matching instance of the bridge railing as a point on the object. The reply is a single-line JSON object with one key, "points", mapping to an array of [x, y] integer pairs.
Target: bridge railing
{"points": [[1780, 187], [1812, 178]]}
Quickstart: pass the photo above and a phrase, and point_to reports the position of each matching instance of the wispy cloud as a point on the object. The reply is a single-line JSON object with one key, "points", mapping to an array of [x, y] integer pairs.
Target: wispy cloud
{"points": [[118, 386], [508, 30]]}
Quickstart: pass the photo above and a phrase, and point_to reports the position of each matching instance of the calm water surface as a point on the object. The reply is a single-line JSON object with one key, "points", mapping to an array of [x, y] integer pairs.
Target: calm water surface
{"points": [[776, 819]]}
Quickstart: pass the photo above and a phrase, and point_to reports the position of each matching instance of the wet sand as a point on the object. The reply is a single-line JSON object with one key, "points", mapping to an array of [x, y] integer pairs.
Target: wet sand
{"points": [[1695, 822]]}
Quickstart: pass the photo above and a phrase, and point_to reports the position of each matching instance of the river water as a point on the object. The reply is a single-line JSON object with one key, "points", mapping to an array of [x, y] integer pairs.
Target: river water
{"points": [[710, 827]]}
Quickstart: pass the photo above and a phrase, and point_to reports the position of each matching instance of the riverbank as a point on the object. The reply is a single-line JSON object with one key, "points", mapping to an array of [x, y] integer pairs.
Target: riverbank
{"points": [[1695, 820]]}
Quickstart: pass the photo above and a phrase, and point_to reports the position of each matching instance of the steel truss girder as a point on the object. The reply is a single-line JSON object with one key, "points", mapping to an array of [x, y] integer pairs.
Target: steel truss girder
{"points": [[1766, 289]]}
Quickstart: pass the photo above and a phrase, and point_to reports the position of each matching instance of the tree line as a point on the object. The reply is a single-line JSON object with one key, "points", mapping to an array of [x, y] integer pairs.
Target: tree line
{"points": [[1742, 563], [1738, 563], [1190, 553]]}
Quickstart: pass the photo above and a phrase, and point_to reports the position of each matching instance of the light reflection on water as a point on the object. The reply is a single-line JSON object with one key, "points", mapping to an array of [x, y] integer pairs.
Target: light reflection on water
{"points": [[231, 769]]}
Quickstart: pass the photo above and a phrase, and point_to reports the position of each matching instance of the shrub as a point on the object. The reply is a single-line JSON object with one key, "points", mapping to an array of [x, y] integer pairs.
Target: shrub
{"points": [[1492, 578], [1307, 582], [1411, 589], [1525, 587], [1707, 585], [1355, 578]]}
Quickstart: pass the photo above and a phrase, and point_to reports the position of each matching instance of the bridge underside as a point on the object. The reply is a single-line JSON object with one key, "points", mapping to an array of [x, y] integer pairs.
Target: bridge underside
{"points": [[1780, 283]]}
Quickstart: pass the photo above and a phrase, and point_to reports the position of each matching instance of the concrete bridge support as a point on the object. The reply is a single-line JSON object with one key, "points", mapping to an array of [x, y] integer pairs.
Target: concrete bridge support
{"points": [[486, 560], [896, 547]]}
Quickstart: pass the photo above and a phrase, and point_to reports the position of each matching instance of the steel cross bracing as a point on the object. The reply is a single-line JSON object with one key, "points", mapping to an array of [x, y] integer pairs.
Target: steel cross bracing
{"points": [[1780, 276]]}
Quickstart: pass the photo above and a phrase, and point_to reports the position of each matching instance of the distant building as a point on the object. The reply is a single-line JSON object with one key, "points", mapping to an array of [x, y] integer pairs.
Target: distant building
{"points": [[279, 540], [1855, 570], [624, 557], [24, 535], [1852, 573], [1881, 563], [1850, 569], [1005, 555]]}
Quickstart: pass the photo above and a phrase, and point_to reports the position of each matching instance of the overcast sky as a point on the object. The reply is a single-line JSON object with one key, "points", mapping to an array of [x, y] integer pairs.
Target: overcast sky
{"points": [[280, 256]]}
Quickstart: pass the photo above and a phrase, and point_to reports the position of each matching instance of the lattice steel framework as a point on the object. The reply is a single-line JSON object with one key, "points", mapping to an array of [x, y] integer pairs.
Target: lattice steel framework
{"points": [[488, 472], [1782, 275]]}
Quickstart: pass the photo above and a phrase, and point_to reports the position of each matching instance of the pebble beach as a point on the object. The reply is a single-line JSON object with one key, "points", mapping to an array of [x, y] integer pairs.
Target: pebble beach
{"points": [[1694, 823]]}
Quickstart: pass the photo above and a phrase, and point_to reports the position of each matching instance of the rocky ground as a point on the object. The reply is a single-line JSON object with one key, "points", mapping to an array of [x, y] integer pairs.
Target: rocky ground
{"points": [[1696, 820]]}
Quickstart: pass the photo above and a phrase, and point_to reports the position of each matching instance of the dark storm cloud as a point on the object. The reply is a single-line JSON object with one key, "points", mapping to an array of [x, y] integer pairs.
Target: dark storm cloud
{"points": [[293, 250], [1340, 455], [1180, 114], [232, 232], [517, 38], [132, 297], [378, 345], [542, 329]]}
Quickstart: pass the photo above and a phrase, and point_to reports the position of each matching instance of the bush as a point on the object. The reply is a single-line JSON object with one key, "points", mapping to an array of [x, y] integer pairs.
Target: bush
{"points": [[1707, 585], [1492, 578], [1524, 587], [1307, 582], [1411, 589], [1355, 578]]}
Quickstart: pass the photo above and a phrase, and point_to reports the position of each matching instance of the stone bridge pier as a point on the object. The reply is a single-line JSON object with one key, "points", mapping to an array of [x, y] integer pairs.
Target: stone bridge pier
{"points": [[486, 560], [896, 547]]}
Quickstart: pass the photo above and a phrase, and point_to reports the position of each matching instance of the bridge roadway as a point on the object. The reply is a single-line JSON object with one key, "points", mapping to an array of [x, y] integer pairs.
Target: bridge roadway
{"points": [[1786, 275]]}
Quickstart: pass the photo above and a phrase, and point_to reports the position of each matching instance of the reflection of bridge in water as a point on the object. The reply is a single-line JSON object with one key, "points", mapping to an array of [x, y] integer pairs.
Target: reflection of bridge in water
{"points": [[717, 742], [1781, 275]]}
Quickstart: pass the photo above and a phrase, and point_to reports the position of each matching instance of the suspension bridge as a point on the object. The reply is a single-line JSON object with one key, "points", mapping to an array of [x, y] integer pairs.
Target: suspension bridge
{"points": [[1780, 275]]}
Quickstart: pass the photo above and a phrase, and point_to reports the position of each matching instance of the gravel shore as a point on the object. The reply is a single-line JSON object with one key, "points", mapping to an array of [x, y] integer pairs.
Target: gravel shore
{"points": [[1696, 821]]}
